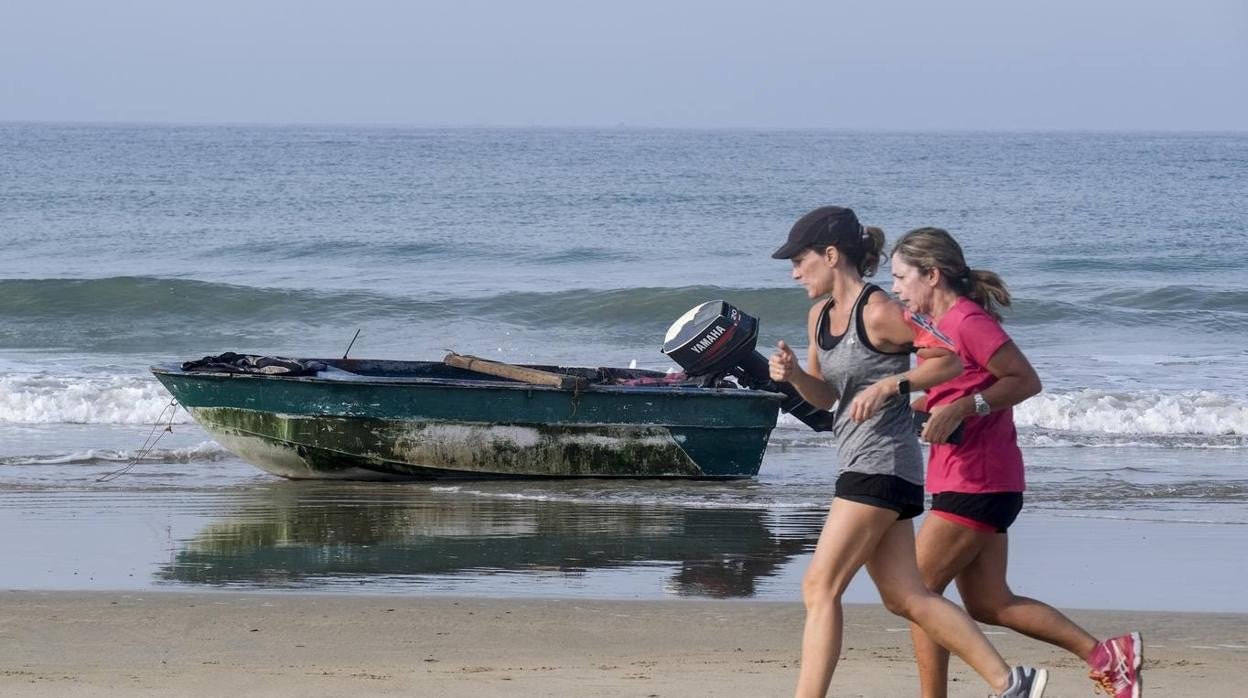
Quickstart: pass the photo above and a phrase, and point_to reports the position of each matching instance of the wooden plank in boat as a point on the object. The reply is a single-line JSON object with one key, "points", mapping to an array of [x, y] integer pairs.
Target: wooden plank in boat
{"points": [[523, 374]]}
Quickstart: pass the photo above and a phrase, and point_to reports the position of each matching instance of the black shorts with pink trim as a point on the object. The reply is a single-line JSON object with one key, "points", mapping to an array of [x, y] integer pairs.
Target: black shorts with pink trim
{"points": [[988, 511], [884, 491]]}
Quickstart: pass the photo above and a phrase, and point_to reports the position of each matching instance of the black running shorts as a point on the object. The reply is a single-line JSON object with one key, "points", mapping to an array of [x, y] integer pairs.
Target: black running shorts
{"points": [[884, 491], [992, 511]]}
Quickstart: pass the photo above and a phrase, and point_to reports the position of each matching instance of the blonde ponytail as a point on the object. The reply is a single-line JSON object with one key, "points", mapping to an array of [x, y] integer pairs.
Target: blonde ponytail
{"points": [[934, 248]]}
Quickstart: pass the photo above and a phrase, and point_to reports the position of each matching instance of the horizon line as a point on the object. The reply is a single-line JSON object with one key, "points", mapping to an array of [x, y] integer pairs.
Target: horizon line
{"points": [[622, 126]]}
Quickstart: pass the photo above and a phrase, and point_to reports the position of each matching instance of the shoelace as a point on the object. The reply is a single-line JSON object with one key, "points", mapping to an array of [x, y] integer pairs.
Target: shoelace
{"points": [[1104, 684]]}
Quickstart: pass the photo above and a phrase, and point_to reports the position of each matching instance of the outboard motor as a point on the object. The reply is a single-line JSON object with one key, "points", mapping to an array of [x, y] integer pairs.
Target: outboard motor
{"points": [[716, 339]]}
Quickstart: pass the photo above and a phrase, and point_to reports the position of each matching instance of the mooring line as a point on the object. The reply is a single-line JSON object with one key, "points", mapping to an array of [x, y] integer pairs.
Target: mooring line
{"points": [[147, 447]]}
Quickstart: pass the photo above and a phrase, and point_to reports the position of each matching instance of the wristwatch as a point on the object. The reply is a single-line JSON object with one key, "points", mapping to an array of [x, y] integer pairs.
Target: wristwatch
{"points": [[981, 405], [903, 386]]}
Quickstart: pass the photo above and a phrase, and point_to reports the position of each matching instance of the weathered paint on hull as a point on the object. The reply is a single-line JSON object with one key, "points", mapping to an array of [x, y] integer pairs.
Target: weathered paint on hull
{"points": [[406, 420], [300, 446]]}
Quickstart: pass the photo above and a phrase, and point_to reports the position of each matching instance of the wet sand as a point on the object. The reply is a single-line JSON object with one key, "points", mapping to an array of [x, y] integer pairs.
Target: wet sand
{"points": [[282, 644]]}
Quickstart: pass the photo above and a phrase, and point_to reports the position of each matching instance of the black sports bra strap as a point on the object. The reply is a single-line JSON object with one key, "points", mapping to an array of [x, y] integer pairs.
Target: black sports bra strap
{"points": [[823, 333]]}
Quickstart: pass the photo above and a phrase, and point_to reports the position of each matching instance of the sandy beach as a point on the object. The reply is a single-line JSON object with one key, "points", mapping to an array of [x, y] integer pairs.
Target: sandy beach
{"points": [[127, 644]]}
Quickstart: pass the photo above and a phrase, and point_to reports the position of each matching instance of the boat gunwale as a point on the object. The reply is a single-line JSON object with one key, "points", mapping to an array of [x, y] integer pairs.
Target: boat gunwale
{"points": [[175, 370]]}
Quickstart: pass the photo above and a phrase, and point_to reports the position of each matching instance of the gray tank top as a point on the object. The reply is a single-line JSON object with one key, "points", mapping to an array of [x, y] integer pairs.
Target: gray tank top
{"points": [[886, 443]]}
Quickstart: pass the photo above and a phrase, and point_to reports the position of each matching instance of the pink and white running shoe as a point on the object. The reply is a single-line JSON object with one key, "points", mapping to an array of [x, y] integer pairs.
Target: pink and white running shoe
{"points": [[1116, 666]]}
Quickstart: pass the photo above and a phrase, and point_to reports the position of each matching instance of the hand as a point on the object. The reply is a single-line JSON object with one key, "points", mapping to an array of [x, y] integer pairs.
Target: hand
{"points": [[869, 400], [944, 419], [783, 363]]}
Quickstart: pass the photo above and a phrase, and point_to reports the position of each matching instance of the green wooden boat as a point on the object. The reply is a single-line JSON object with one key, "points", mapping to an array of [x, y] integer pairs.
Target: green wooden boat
{"points": [[394, 420]]}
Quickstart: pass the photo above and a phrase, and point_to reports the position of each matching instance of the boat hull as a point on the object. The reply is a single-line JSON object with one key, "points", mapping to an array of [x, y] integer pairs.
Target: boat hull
{"points": [[428, 423]]}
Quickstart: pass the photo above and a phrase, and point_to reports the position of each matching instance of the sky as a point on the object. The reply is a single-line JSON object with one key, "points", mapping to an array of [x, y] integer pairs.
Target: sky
{"points": [[903, 65]]}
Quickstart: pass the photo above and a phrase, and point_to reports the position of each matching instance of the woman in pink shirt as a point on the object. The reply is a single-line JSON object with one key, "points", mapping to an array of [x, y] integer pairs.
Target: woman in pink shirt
{"points": [[977, 484]]}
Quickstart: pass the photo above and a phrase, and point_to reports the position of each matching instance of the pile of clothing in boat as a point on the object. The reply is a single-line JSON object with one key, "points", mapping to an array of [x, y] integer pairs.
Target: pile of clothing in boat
{"points": [[665, 380], [229, 362]]}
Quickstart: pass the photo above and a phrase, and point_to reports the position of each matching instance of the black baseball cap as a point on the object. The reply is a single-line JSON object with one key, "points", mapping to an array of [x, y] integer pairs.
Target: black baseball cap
{"points": [[826, 225]]}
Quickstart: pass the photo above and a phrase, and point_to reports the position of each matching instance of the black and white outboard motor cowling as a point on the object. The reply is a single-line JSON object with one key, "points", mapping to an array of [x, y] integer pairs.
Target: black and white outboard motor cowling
{"points": [[715, 339]]}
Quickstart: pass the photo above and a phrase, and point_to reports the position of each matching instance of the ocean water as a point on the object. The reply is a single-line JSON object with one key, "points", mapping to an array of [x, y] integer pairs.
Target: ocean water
{"points": [[124, 246]]}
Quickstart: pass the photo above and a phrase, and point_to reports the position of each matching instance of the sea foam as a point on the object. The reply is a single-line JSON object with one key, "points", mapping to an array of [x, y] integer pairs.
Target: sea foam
{"points": [[204, 451], [1142, 412], [1113, 413], [42, 398]]}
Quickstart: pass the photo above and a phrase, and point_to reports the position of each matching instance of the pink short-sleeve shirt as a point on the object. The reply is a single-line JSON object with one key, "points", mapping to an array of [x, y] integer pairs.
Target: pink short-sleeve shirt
{"points": [[988, 458]]}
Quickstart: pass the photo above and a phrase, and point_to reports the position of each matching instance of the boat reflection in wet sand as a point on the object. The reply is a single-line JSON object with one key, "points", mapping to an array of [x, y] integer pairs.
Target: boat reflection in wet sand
{"points": [[321, 536]]}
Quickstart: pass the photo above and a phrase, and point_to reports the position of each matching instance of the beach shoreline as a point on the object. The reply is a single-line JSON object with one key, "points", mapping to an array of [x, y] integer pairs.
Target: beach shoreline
{"points": [[98, 643]]}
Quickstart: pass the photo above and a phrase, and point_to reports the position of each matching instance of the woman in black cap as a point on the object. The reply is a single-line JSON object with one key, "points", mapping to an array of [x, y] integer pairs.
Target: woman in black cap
{"points": [[859, 365]]}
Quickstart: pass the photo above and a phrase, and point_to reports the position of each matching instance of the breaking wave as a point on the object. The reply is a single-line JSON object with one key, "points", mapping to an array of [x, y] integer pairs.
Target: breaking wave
{"points": [[1196, 413], [1196, 419], [50, 399], [203, 452], [1094, 418], [137, 313], [156, 314]]}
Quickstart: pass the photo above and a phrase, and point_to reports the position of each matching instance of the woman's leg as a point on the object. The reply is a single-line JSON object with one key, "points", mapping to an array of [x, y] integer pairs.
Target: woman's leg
{"points": [[988, 599], [849, 536], [896, 574], [943, 550], [946, 551], [1115, 663]]}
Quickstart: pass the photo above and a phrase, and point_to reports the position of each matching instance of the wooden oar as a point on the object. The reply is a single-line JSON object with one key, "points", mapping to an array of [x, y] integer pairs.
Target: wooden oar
{"points": [[518, 373]]}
